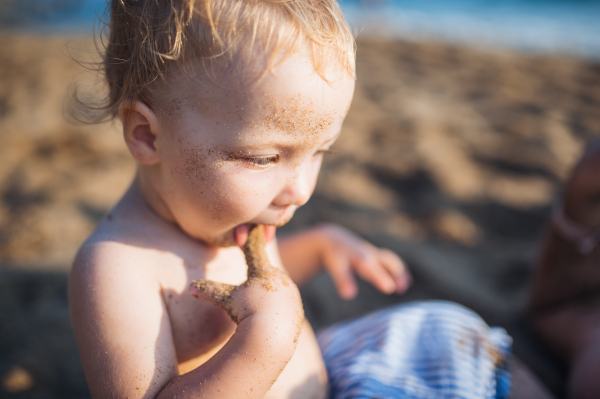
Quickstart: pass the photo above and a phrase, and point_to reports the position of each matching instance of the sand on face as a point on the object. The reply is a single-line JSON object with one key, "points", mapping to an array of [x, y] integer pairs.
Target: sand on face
{"points": [[477, 127], [449, 156]]}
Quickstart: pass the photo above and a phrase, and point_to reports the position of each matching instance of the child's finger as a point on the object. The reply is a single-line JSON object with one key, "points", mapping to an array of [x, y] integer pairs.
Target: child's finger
{"points": [[338, 266], [369, 268], [213, 292], [397, 269], [254, 251]]}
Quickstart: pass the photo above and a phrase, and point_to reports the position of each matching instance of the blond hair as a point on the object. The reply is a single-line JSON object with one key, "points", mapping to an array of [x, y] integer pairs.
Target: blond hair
{"points": [[149, 37]]}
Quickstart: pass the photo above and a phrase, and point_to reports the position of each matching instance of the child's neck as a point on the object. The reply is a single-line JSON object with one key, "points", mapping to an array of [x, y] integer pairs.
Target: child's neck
{"points": [[149, 194]]}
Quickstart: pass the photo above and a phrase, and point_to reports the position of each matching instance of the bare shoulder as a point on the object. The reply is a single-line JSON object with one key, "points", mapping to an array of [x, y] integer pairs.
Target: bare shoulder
{"points": [[120, 319], [100, 260], [108, 265], [105, 268], [133, 318], [123, 251]]}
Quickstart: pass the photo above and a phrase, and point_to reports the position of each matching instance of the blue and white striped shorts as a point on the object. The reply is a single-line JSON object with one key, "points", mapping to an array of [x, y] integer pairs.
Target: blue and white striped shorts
{"points": [[421, 350]]}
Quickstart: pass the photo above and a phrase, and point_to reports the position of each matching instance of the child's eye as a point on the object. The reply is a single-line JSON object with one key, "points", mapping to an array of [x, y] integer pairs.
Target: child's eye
{"points": [[325, 151], [262, 161]]}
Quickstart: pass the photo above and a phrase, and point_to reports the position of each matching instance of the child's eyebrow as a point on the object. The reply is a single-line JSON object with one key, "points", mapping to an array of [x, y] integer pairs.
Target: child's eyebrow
{"points": [[293, 115], [294, 122], [290, 143]]}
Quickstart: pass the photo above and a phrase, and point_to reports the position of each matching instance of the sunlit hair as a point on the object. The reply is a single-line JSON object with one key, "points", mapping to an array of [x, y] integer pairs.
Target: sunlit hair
{"points": [[148, 38]]}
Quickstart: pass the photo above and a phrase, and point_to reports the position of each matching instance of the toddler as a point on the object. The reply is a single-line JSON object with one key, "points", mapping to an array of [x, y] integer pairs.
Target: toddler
{"points": [[228, 107]]}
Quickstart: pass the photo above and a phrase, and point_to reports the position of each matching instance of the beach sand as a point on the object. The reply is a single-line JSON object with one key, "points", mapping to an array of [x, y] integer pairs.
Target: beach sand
{"points": [[450, 156]]}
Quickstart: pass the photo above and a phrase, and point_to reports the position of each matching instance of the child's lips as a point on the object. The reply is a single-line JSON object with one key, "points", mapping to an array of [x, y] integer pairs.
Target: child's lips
{"points": [[270, 233], [240, 233]]}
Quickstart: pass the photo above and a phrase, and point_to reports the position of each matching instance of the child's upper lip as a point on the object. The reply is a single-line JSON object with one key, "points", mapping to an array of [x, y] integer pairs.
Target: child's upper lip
{"points": [[283, 211], [280, 207]]}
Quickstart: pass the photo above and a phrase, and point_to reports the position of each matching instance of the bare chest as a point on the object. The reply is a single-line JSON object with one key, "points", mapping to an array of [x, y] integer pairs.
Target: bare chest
{"points": [[199, 329]]}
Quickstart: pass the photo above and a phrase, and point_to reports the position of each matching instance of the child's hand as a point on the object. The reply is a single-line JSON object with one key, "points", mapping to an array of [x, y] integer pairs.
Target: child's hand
{"points": [[267, 291], [342, 253]]}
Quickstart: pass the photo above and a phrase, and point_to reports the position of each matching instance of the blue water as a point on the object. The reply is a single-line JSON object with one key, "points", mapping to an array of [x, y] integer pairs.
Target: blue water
{"points": [[56, 16], [571, 26]]}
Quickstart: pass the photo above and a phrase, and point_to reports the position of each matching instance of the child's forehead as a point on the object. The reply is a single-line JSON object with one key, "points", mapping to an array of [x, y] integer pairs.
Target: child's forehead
{"points": [[293, 84], [290, 111], [287, 114], [293, 102], [266, 119]]}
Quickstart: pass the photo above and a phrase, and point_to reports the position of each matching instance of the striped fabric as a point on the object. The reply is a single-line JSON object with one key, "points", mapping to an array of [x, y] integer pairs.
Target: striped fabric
{"points": [[430, 349]]}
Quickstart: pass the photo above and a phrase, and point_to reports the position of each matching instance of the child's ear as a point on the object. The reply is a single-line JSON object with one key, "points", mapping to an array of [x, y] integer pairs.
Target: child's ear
{"points": [[140, 128]]}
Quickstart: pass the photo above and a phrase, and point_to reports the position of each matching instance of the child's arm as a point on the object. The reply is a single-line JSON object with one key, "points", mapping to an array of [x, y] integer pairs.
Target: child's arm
{"points": [[124, 334], [342, 254], [247, 366]]}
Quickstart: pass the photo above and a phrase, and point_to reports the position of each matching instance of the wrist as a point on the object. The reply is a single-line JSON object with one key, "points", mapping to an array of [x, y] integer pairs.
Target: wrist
{"points": [[277, 331]]}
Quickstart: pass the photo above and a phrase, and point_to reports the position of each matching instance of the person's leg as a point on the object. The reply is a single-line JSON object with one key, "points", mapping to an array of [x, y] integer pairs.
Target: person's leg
{"points": [[525, 384], [585, 375], [565, 295]]}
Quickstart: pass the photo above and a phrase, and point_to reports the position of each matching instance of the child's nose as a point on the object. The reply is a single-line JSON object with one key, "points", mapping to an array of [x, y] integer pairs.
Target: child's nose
{"points": [[296, 191]]}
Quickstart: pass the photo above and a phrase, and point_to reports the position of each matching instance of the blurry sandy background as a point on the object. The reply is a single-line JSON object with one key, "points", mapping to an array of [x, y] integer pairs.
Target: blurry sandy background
{"points": [[450, 156]]}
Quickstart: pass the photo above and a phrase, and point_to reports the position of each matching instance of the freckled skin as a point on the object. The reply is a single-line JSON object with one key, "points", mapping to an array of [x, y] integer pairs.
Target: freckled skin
{"points": [[292, 127], [224, 156]]}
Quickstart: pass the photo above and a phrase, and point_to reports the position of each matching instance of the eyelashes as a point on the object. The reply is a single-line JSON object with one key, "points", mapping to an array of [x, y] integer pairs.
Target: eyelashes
{"points": [[327, 151], [266, 161], [261, 162]]}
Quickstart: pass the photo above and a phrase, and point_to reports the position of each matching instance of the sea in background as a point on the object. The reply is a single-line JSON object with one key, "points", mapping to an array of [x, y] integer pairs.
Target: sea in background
{"points": [[569, 26], [451, 157]]}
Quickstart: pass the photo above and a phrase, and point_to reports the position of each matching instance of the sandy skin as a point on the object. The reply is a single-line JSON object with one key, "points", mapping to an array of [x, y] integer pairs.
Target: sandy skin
{"points": [[259, 271]]}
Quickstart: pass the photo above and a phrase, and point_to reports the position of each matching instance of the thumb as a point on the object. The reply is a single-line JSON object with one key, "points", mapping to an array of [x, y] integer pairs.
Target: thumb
{"points": [[254, 251], [213, 292]]}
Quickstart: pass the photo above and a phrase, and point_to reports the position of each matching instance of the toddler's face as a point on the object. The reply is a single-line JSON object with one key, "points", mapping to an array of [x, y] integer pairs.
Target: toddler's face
{"points": [[234, 154]]}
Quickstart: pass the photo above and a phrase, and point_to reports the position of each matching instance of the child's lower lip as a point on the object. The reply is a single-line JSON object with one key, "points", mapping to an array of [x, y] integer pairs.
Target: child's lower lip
{"points": [[240, 233], [270, 233]]}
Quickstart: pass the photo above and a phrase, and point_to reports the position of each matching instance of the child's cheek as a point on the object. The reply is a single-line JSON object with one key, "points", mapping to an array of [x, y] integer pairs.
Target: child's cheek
{"points": [[243, 193], [221, 188]]}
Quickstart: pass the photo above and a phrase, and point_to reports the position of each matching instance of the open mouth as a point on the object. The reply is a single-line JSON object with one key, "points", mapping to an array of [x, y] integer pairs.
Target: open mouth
{"points": [[240, 233]]}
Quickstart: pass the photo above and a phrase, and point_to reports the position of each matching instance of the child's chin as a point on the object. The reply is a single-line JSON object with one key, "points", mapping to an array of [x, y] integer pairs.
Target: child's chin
{"points": [[284, 221], [224, 241]]}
